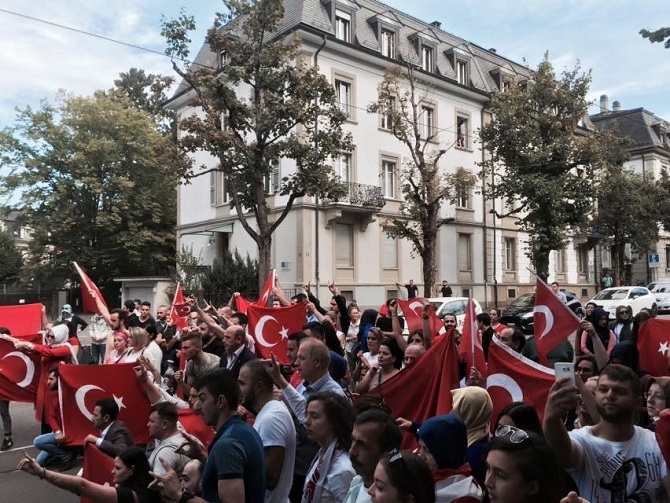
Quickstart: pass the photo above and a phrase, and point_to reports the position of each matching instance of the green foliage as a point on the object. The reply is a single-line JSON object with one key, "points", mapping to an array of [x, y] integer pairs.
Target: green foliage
{"points": [[260, 106], [11, 259], [97, 184], [189, 271], [231, 273], [657, 35], [543, 161]]}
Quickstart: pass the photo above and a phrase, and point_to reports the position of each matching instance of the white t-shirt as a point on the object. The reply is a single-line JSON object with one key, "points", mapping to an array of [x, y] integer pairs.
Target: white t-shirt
{"points": [[275, 426], [616, 471]]}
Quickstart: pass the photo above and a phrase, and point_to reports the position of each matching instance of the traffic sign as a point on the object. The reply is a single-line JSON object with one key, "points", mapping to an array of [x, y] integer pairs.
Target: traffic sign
{"points": [[654, 260]]}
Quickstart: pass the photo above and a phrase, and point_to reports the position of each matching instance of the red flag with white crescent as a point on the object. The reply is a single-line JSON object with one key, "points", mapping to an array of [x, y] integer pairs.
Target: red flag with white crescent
{"points": [[266, 292], [471, 349], [97, 468], [89, 304], [553, 320], [79, 389], [19, 371], [270, 328], [515, 378], [653, 343], [180, 310], [195, 425], [413, 311], [22, 319], [242, 304]]}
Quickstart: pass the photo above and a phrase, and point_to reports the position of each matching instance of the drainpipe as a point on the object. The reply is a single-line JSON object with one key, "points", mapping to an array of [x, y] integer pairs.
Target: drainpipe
{"points": [[495, 279], [316, 199]]}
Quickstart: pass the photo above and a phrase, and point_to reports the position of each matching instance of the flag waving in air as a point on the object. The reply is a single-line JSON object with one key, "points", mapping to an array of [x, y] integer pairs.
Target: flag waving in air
{"points": [[554, 321], [413, 311], [22, 320], [266, 292], [270, 328], [89, 304], [653, 343], [180, 310], [471, 343], [19, 371]]}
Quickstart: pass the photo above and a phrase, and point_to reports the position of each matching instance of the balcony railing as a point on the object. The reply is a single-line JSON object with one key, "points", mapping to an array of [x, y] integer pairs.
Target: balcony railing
{"points": [[360, 194]]}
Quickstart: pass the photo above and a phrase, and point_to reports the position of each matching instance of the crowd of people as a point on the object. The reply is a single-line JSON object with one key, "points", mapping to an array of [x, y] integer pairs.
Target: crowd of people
{"points": [[315, 431]]}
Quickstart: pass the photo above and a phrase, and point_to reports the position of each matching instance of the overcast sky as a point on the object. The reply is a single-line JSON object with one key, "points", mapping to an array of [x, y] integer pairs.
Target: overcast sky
{"points": [[37, 59]]}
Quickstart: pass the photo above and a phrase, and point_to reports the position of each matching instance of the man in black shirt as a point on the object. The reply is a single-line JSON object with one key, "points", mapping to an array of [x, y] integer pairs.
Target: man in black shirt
{"points": [[412, 289], [446, 289]]}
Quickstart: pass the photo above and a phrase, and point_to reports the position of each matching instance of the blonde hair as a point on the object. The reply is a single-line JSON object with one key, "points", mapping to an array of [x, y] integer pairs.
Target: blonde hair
{"points": [[139, 338]]}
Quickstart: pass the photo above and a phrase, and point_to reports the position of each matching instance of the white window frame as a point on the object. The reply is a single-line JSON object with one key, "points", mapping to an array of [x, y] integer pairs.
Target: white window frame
{"points": [[212, 188], [582, 251], [427, 121], [345, 93], [509, 254], [342, 165], [560, 260], [427, 54], [462, 72], [462, 131], [344, 258], [389, 178], [386, 119], [464, 257], [388, 43], [225, 196], [389, 253], [343, 25], [272, 179], [464, 201]]}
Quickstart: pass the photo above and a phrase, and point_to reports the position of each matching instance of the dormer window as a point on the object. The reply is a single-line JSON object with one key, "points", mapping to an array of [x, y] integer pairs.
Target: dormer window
{"points": [[386, 27], [342, 25], [388, 43], [342, 15], [427, 58], [223, 59], [503, 78], [462, 72], [425, 44]]}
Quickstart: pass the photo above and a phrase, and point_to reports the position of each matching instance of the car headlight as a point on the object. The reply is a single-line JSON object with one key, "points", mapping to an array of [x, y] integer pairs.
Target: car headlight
{"points": [[527, 315]]}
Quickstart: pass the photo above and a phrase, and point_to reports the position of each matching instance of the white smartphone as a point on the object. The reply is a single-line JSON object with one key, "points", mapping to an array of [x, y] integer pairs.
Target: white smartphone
{"points": [[565, 369]]}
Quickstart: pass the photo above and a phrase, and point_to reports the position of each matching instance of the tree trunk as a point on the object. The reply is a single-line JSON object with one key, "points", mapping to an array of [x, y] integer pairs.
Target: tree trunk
{"points": [[429, 231], [264, 258], [541, 259]]}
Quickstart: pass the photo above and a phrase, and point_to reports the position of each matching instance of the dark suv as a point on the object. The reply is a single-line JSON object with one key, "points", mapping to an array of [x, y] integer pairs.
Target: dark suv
{"points": [[520, 312]]}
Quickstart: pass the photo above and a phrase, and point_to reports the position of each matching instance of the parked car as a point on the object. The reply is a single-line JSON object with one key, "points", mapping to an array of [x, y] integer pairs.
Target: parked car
{"points": [[456, 305], [634, 297], [519, 313], [661, 291]]}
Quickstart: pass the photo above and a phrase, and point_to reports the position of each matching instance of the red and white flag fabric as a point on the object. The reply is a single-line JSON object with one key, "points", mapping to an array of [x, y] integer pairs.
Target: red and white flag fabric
{"points": [[423, 389], [270, 328], [242, 304], [195, 425], [471, 349], [514, 378], [19, 372], [653, 343], [266, 292], [97, 468], [553, 320], [180, 310], [79, 388], [22, 319], [89, 304], [413, 311]]}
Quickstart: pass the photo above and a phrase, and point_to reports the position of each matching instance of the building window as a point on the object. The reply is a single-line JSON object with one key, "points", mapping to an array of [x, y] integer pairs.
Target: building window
{"points": [[509, 258], [583, 259], [667, 257], [464, 253], [344, 245], [462, 72], [427, 63], [223, 59], [389, 179], [463, 200], [560, 260], [212, 188], [343, 26], [225, 191], [505, 85], [427, 122], [462, 132], [386, 117], [343, 91], [342, 167], [389, 252], [388, 43], [272, 178]]}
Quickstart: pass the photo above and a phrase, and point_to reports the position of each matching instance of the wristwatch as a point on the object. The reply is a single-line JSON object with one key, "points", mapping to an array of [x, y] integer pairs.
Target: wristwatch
{"points": [[186, 495]]}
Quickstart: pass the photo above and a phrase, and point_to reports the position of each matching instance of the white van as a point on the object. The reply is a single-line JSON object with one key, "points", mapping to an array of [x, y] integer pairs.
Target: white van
{"points": [[661, 290]]}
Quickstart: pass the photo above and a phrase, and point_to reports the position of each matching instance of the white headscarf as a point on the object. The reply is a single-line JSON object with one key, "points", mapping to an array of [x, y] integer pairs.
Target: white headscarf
{"points": [[61, 335]]}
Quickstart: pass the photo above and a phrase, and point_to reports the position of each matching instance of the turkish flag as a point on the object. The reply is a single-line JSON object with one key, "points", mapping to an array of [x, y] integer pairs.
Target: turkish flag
{"points": [[514, 378], [554, 321], [653, 342], [80, 387], [242, 304], [97, 468], [270, 328], [19, 372], [195, 425], [180, 310], [423, 389], [413, 311], [264, 296], [89, 304], [471, 349], [663, 434], [22, 319]]}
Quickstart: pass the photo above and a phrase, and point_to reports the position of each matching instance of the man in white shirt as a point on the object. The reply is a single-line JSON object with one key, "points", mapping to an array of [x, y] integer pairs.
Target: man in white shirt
{"points": [[275, 426]]}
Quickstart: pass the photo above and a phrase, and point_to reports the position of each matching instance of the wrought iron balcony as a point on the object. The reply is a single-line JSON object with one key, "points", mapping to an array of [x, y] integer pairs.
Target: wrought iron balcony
{"points": [[360, 194]]}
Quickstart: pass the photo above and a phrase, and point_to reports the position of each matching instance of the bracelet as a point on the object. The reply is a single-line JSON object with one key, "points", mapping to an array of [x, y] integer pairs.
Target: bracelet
{"points": [[44, 473]]}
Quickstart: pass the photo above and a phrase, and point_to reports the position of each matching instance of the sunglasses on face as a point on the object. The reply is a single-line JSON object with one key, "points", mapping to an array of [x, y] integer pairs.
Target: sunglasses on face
{"points": [[515, 435]]}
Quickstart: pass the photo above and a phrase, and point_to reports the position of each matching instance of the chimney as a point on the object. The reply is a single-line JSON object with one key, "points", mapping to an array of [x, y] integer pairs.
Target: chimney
{"points": [[604, 104], [493, 50], [616, 106], [436, 24]]}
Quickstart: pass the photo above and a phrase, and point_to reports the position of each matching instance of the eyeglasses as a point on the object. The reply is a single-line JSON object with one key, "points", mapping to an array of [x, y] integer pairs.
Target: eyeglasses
{"points": [[516, 436], [654, 396]]}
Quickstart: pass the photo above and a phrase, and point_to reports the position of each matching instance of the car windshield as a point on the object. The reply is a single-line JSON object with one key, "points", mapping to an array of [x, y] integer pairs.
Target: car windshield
{"points": [[659, 287], [614, 294], [524, 301]]}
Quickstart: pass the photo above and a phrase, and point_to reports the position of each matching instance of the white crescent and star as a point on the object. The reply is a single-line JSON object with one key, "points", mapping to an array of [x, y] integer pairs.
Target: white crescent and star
{"points": [[259, 331], [507, 383], [80, 399], [30, 368], [663, 347], [548, 317], [415, 305]]}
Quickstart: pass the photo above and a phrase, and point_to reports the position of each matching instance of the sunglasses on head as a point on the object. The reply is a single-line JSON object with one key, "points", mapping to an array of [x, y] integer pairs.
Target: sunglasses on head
{"points": [[515, 435]]}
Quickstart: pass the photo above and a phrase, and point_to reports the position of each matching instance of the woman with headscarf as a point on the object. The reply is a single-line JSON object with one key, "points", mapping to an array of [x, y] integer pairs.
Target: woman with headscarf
{"points": [[474, 406], [55, 350], [656, 397], [443, 442], [602, 330]]}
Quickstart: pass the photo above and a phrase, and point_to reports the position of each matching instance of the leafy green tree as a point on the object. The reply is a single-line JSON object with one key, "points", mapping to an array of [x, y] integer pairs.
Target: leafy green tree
{"points": [[231, 273], [628, 213], [261, 105], [657, 35], [97, 184], [11, 259], [543, 164], [426, 185]]}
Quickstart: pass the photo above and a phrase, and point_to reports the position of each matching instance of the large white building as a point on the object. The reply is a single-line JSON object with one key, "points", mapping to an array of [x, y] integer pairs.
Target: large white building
{"points": [[353, 43]]}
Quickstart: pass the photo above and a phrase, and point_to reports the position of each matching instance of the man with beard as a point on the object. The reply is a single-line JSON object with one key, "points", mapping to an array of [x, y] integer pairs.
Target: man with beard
{"points": [[211, 343], [275, 426], [614, 460]]}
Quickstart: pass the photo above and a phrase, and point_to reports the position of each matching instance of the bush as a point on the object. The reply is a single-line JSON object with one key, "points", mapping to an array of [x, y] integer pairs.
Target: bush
{"points": [[231, 273]]}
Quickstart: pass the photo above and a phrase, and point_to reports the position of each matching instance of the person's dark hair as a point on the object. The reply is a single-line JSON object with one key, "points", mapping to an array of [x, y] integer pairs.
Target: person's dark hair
{"points": [[370, 401], [130, 305], [135, 457], [297, 337], [638, 320], [453, 314], [299, 297], [167, 411], [52, 370], [220, 382], [484, 318], [330, 338], [259, 373], [241, 317], [524, 416], [621, 373], [316, 328], [390, 436], [409, 475], [192, 336], [536, 462], [5, 330], [519, 337], [339, 414], [496, 310], [398, 354], [145, 303], [591, 359], [121, 313], [108, 407], [555, 283]]}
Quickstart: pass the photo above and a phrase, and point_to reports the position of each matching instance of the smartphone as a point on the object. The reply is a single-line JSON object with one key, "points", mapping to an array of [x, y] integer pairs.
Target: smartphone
{"points": [[564, 369]]}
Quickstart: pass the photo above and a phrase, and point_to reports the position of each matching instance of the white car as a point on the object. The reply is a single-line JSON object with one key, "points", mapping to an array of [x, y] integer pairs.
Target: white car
{"points": [[634, 297], [661, 291], [455, 305]]}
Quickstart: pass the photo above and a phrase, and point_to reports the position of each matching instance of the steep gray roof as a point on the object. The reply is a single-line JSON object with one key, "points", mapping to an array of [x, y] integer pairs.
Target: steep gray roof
{"points": [[642, 127]]}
